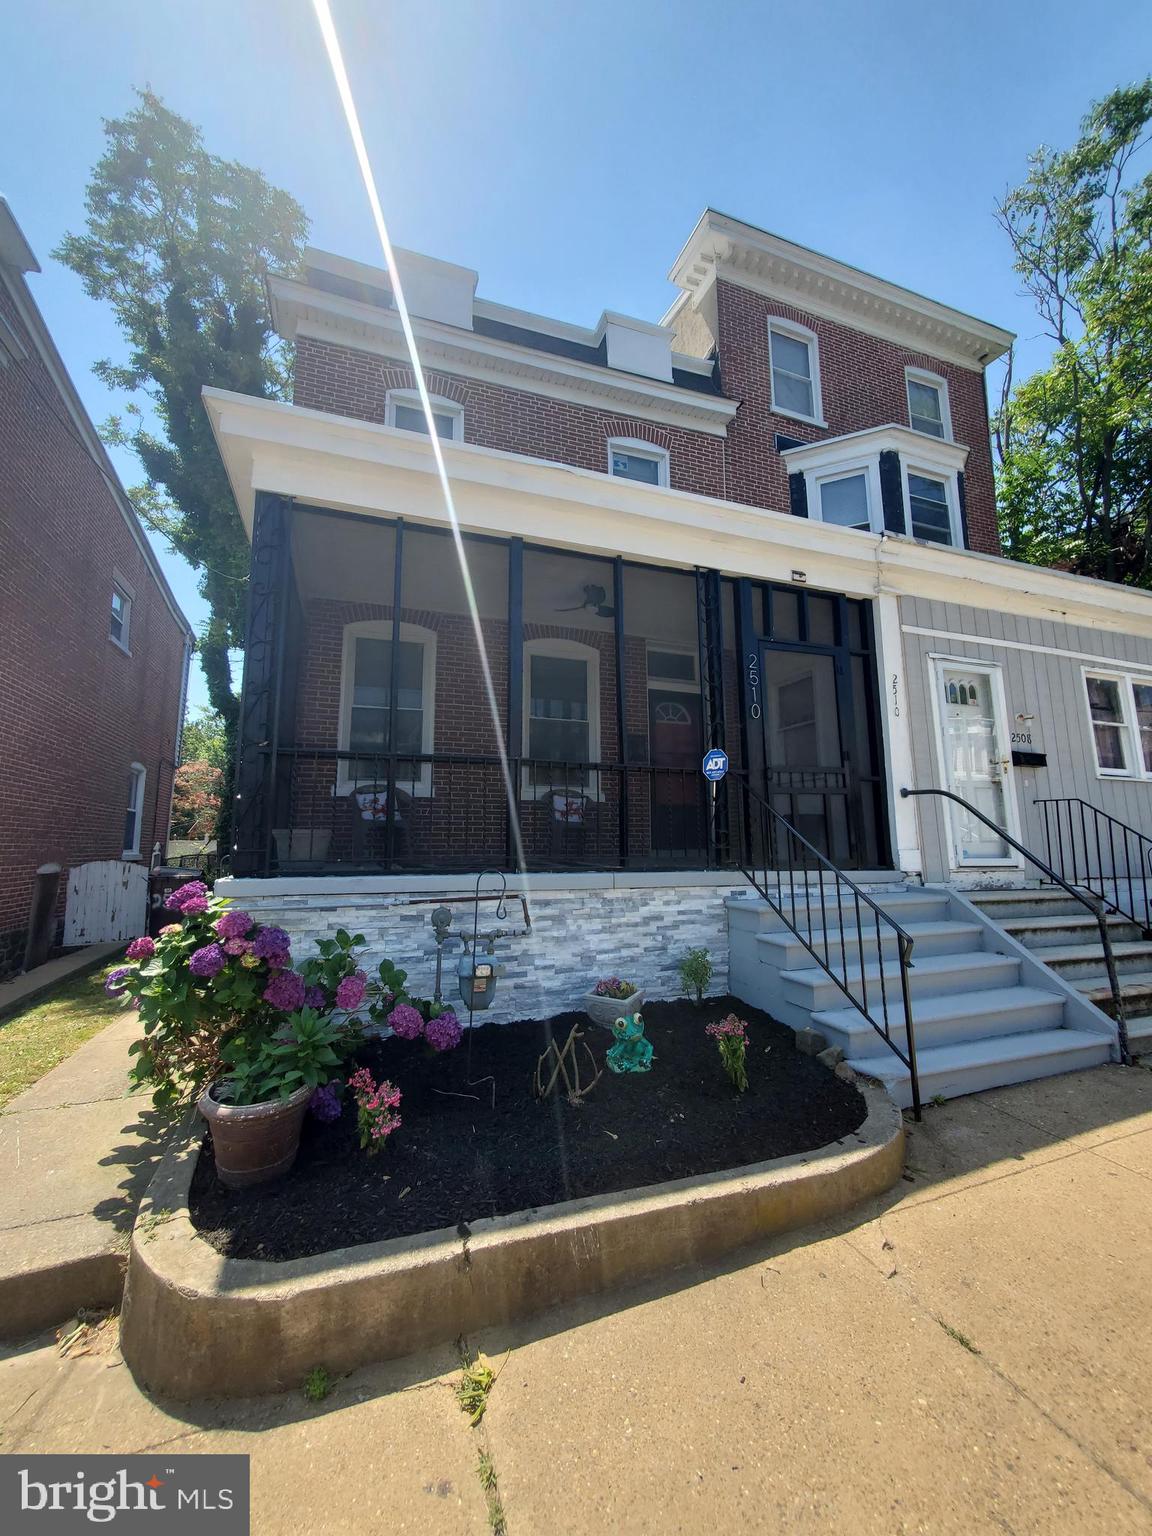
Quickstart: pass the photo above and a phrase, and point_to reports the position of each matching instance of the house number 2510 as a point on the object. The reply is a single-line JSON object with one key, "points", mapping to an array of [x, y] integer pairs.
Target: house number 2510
{"points": [[895, 694], [754, 684]]}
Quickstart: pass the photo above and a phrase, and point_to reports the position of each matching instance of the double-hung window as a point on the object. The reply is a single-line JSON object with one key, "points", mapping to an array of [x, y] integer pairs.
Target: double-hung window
{"points": [[929, 511], [366, 704], [629, 460], [120, 617], [1120, 715], [134, 815], [795, 361], [844, 500], [561, 713], [928, 403]]}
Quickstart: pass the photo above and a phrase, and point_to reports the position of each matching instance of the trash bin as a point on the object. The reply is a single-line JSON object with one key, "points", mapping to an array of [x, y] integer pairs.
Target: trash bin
{"points": [[162, 881]]}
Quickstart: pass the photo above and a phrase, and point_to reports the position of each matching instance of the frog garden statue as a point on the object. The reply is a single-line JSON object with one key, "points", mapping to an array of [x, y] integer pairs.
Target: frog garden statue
{"points": [[631, 1053]]}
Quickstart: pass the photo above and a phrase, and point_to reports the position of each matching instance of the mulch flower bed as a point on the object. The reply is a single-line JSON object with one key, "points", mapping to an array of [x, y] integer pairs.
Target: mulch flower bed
{"points": [[458, 1157]]}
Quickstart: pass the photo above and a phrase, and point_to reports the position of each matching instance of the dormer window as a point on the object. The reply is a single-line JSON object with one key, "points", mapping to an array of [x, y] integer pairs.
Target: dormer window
{"points": [[928, 403], [403, 409], [633, 460], [795, 358]]}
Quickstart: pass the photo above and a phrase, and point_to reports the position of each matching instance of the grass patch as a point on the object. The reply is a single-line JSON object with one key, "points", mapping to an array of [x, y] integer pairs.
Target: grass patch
{"points": [[317, 1384], [486, 1472], [47, 1032], [961, 1338]]}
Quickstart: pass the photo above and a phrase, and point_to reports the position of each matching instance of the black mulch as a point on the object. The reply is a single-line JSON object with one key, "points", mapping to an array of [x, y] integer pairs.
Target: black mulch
{"points": [[458, 1159]]}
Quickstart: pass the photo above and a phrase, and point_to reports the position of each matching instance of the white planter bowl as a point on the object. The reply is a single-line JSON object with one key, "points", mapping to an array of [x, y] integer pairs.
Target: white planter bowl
{"points": [[606, 1010]]}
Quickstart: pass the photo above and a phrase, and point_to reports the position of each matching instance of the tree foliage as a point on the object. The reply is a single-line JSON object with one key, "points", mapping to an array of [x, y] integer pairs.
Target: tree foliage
{"points": [[1074, 441], [203, 739], [196, 795], [179, 242]]}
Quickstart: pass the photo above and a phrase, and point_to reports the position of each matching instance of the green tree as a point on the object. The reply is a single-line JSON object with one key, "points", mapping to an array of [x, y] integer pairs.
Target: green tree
{"points": [[180, 242], [203, 739], [1074, 441]]}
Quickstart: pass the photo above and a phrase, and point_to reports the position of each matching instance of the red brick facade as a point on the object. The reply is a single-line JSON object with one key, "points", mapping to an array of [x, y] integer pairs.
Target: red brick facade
{"points": [[75, 710], [863, 385], [354, 383]]}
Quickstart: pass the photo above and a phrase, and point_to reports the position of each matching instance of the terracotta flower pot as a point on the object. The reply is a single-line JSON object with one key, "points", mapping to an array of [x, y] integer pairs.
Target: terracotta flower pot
{"points": [[606, 1010], [254, 1142]]}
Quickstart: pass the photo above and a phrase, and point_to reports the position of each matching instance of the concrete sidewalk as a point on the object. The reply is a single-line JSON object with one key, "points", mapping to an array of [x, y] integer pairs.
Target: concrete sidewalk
{"points": [[76, 1154], [971, 1353]]}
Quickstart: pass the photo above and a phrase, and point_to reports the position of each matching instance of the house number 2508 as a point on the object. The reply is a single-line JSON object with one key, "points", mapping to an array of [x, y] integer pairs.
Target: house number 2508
{"points": [[754, 684]]}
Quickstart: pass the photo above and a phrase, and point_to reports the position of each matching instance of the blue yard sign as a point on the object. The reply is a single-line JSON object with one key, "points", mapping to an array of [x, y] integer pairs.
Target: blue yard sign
{"points": [[715, 765]]}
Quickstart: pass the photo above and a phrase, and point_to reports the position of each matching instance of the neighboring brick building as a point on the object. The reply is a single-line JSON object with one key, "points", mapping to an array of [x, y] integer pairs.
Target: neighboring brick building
{"points": [[93, 648]]}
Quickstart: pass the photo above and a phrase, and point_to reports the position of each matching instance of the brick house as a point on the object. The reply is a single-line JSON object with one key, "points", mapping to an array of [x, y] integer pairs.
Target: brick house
{"points": [[94, 650], [765, 523]]}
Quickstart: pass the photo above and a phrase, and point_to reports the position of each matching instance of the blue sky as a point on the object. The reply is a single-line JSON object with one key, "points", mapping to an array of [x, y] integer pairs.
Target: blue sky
{"points": [[566, 151]]}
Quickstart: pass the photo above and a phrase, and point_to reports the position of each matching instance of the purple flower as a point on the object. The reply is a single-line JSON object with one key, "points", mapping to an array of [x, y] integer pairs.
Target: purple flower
{"points": [[406, 1021], [271, 942], [194, 906], [314, 997], [114, 981], [279, 960], [350, 993], [141, 949], [285, 991], [236, 946], [208, 962], [325, 1103], [233, 925], [444, 1032], [190, 890]]}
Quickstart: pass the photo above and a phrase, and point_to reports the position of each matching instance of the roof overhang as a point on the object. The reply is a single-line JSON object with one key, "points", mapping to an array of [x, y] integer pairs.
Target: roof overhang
{"points": [[300, 310], [721, 247], [355, 466], [874, 440]]}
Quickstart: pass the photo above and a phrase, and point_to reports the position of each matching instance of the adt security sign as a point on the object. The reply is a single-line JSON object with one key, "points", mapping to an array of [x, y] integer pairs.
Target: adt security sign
{"points": [[715, 765]]}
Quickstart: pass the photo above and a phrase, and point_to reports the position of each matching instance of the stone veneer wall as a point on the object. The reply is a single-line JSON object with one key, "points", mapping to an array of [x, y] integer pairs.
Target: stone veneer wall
{"points": [[579, 934]]}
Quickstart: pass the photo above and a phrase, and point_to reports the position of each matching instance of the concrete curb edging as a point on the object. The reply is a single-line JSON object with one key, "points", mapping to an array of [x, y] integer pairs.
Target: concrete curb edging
{"points": [[195, 1324]]}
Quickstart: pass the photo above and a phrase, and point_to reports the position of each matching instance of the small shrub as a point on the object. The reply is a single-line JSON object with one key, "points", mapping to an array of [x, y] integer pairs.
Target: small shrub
{"points": [[476, 1381], [731, 1037], [615, 987], [695, 972], [376, 1103], [317, 1385]]}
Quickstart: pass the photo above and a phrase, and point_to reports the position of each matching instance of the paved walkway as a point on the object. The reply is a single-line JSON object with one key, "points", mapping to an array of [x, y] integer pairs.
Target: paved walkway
{"points": [[970, 1353]]}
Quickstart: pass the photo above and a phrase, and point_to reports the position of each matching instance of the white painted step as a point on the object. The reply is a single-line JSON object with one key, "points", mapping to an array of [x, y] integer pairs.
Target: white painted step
{"points": [[840, 946], [971, 1066], [905, 906], [813, 988], [946, 1020]]}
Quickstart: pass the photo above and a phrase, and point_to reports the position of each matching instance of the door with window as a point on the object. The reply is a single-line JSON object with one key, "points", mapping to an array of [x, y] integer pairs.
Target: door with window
{"points": [[976, 762], [806, 768]]}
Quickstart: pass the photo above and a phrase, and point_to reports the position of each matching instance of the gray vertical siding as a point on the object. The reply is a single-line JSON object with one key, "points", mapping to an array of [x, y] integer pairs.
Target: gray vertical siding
{"points": [[1035, 683]]}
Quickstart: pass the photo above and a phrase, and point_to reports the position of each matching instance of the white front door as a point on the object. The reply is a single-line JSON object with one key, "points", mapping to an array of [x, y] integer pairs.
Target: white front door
{"points": [[976, 763]]}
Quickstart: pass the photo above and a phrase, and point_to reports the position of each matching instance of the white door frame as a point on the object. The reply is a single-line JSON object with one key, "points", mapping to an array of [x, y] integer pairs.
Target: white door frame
{"points": [[995, 675]]}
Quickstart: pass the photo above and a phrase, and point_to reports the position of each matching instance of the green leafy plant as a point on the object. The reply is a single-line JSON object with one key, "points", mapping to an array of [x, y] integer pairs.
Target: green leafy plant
{"points": [[476, 1381], [317, 1384], [731, 1037], [695, 969], [306, 1051]]}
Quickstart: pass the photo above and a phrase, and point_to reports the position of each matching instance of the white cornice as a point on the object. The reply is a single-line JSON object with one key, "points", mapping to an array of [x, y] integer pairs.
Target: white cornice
{"points": [[872, 440], [335, 461], [299, 310], [752, 258]]}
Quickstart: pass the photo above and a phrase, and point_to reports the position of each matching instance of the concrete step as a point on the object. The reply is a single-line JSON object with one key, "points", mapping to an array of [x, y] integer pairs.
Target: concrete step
{"points": [[905, 905], [1047, 901], [946, 1020], [1045, 932], [971, 1066], [1135, 989], [1139, 1034], [812, 988], [843, 945], [1073, 961]]}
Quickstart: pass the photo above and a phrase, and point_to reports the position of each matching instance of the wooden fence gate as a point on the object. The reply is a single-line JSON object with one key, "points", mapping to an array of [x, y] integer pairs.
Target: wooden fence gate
{"points": [[107, 902]]}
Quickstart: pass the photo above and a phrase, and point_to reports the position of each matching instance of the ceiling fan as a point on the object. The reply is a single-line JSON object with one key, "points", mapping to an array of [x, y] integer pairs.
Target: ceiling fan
{"points": [[595, 600]]}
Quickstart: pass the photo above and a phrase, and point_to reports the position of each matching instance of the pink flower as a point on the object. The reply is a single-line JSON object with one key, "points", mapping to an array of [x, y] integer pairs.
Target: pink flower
{"points": [[350, 993], [236, 946], [170, 928], [233, 925], [278, 960], [141, 949], [444, 1032], [406, 1021], [194, 906], [285, 991]]}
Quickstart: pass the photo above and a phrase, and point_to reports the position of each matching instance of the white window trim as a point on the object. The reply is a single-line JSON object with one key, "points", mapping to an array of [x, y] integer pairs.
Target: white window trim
{"points": [[673, 684], [128, 598], [138, 776], [798, 333], [381, 629], [870, 469], [638, 448], [930, 471], [440, 406], [937, 382], [571, 650], [1129, 724]]}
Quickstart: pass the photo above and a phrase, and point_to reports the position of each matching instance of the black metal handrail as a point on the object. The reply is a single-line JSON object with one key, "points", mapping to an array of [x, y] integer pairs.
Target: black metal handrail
{"points": [[840, 956], [1076, 827], [1089, 902]]}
